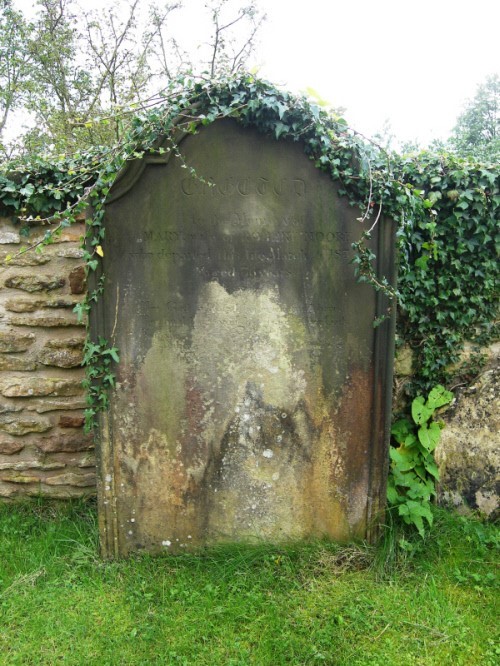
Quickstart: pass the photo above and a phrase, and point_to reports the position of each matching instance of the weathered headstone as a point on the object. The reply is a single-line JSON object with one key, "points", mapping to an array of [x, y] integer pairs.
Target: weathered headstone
{"points": [[253, 391]]}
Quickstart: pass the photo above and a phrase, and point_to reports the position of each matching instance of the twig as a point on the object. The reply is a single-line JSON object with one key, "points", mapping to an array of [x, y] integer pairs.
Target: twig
{"points": [[382, 632]]}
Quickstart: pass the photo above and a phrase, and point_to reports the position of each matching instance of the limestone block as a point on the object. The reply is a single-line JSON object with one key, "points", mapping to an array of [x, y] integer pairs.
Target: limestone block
{"points": [[32, 283], [468, 453], [8, 407], [87, 461], [60, 492], [71, 234], [29, 258], [73, 459], [71, 253], [62, 353], [11, 341], [16, 363], [78, 280], [22, 478], [403, 364], [7, 489], [23, 387], [22, 425], [71, 479], [71, 421], [9, 446], [22, 304], [9, 237], [24, 465], [77, 441], [47, 321], [62, 403]]}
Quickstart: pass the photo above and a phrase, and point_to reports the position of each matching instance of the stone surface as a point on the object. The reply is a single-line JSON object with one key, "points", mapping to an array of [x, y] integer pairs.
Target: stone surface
{"points": [[87, 461], [71, 479], [468, 453], [7, 490], [62, 353], [20, 478], [30, 258], [78, 280], [71, 421], [9, 446], [24, 465], [77, 441], [22, 304], [72, 234], [22, 425], [50, 405], [60, 492], [71, 253], [46, 321], [403, 365], [33, 283], [252, 396], [16, 363], [13, 341], [21, 387], [8, 407], [9, 237]]}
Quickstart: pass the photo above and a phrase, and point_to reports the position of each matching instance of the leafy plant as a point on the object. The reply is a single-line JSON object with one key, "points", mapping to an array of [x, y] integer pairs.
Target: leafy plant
{"points": [[413, 470], [449, 271], [98, 359]]}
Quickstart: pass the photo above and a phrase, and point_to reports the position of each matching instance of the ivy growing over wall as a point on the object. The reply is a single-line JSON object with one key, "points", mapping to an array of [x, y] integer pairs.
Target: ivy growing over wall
{"points": [[446, 209], [449, 269]]}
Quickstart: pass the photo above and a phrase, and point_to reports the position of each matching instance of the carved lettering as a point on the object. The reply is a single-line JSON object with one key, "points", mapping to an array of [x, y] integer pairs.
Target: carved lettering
{"points": [[244, 187]]}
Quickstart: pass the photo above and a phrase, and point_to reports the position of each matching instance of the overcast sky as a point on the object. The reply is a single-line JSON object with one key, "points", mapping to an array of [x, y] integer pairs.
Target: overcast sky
{"points": [[412, 64]]}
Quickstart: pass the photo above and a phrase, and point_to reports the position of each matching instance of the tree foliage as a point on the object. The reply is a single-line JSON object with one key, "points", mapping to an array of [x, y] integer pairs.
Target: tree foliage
{"points": [[14, 61], [477, 132], [80, 74]]}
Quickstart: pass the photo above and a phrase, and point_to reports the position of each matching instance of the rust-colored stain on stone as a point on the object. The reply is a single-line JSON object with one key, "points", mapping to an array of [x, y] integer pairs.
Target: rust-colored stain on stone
{"points": [[78, 280]]}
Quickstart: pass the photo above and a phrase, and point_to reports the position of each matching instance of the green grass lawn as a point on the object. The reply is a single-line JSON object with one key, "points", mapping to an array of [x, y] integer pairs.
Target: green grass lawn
{"points": [[316, 603]]}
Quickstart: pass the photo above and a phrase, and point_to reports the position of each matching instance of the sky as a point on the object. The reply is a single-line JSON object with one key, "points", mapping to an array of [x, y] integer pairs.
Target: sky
{"points": [[411, 65]]}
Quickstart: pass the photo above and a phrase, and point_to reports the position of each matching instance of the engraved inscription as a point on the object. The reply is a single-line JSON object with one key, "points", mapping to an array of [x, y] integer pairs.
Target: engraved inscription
{"points": [[243, 187]]}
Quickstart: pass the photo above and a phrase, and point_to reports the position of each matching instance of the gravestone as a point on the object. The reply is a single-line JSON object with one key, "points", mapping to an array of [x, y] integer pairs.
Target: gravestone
{"points": [[253, 390]]}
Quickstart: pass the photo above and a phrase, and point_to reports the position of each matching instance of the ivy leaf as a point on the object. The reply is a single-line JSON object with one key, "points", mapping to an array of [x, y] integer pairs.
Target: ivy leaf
{"points": [[27, 190], [279, 129], [422, 261]]}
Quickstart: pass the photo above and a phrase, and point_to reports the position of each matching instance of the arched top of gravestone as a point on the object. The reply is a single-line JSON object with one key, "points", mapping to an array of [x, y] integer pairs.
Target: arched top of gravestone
{"points": [[133, 170]]}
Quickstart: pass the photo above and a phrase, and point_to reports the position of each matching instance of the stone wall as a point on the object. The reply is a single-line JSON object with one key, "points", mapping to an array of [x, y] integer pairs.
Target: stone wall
{"points": [[43, 448], [468, 453]]}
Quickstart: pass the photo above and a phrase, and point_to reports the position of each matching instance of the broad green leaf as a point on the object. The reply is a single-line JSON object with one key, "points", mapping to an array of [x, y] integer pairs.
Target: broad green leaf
{"points": [[404, 458], [401, 429], [429, 435], [419, 411], [438, 397], [432, 469]]}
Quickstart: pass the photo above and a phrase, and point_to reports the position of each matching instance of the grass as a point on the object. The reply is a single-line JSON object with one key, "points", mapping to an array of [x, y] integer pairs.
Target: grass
{"points": [[426, 603]]}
